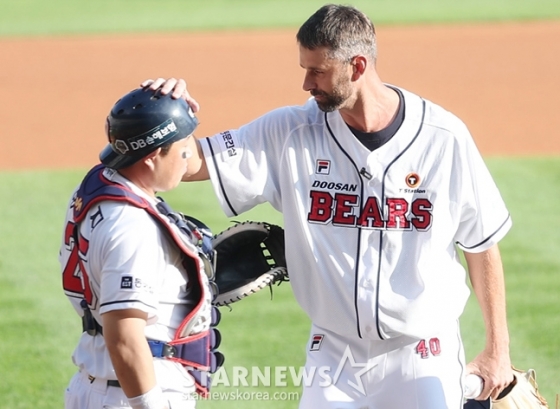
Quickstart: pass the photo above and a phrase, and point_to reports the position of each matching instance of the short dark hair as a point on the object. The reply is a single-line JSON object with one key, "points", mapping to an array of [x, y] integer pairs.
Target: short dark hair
{"points": [[344, 30], [165, 148]]}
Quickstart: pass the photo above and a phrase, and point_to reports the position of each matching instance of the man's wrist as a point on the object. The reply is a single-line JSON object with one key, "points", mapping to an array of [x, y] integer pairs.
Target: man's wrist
{"points": [[153, 399]]}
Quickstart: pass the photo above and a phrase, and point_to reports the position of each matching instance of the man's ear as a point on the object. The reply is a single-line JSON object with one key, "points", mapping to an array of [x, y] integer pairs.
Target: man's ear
{"points": [[150, 159], [359, 64]]}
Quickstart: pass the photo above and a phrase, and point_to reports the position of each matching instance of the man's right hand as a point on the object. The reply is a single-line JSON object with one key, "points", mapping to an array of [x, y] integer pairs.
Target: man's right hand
{"points": [[177, 88]]}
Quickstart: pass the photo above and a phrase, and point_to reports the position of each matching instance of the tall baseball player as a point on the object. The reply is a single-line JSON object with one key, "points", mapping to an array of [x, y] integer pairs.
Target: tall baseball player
{"points": [[379, 188], [134, 270]]}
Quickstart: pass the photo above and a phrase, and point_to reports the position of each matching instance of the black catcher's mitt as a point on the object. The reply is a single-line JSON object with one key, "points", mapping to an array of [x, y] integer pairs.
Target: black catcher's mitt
{"points": [[249, 256]]}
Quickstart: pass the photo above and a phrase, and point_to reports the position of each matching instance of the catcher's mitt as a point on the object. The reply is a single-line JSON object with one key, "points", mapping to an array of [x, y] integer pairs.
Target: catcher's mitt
{"points": [[249, 256], [522, 393]]}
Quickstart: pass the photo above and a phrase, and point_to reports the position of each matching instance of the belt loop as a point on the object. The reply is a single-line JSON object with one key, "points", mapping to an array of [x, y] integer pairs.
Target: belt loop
{"points": [[110, 382]]}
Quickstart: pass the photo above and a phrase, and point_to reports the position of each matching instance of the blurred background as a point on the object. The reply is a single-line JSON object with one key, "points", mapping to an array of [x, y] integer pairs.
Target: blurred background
{"points": [[64, 63]]}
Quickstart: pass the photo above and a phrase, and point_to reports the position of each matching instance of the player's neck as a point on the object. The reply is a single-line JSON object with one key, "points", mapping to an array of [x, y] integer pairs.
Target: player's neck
{"points": [[140, 180], [373, 109]]}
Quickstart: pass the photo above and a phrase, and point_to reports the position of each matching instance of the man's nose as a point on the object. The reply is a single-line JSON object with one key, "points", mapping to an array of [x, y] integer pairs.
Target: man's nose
{"points": [[308, 84]]}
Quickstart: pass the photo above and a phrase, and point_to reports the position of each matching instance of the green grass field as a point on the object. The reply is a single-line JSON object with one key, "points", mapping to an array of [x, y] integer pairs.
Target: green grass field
{"points": [[38, 328], [38, 17]]}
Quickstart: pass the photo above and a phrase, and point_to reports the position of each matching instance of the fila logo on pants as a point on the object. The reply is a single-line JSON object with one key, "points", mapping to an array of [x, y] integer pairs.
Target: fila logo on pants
{"points": [[316, 342]]}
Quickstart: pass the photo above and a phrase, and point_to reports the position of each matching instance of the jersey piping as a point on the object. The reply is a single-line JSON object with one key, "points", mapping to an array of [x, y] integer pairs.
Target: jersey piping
{"points": [[220, 180], [359, 228], [126, 302], [380, 250], [382, 201], [489, 237], [374, 140]]}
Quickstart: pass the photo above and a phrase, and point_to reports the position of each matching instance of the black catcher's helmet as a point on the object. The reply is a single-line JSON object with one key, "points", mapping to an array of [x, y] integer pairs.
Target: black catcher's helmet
{"points": [[142, 121]]}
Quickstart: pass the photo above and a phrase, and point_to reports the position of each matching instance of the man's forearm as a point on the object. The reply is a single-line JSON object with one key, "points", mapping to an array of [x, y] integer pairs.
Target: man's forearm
{"points": [[493, 364], [487, 278], [129, 351]]}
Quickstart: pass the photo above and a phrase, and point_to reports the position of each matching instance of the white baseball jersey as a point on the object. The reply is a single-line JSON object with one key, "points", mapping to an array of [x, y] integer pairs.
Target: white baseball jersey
{"points": [[131, 262], [370, 236]]}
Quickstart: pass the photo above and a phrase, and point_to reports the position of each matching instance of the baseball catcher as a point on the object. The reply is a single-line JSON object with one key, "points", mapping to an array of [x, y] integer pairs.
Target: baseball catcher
{"points": [[522, 393], [249, 256]]}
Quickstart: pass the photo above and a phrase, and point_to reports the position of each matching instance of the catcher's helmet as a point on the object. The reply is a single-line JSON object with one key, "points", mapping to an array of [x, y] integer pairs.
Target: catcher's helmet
{"points": [[142, 121]]}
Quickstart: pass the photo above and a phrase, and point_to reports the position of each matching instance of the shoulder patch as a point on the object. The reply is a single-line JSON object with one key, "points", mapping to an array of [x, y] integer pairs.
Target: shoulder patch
{"points": [[228, 143], [126, 282]]}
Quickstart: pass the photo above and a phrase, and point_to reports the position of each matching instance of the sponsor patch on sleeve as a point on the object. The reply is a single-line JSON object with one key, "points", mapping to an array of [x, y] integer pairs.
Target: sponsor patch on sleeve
{"points": [[228, 143], [126, 282]]}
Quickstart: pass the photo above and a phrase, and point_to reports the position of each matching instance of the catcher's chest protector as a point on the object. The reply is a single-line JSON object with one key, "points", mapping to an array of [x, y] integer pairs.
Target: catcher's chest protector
{"points": [[197, 352]]}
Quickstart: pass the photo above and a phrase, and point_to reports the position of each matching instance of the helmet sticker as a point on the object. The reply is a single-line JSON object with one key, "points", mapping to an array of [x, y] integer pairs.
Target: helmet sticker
{"points": [[154, 137], [120, 145]]}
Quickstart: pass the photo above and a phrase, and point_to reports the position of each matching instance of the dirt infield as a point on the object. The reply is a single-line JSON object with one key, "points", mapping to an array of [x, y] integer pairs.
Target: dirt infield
{"points": [[502, 80]]}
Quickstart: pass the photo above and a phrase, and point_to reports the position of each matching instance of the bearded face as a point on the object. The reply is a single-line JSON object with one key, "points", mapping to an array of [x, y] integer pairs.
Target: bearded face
{"points": [[326, 78], [335, 99]]}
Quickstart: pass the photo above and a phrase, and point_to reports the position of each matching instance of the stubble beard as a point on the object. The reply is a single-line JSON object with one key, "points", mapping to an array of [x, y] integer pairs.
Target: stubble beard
{"points": [[336, 99]]}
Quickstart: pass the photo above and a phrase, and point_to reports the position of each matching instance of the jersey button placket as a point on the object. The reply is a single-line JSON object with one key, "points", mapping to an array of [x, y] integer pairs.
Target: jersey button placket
{"points": [[366, 308]]}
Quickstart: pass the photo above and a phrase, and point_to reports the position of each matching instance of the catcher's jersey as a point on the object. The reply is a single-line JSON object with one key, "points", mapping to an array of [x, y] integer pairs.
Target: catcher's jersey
{"points": [[131, 262], [370, 236]]}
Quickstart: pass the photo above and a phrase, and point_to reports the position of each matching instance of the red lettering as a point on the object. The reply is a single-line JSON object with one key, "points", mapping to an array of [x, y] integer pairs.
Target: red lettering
{"points": [[70, 276], [422, 211], [397, 214], [435, 347], [422, 349], [343, 209], [431, 347], [371, 215], [71, 280], [321, 207], [340, 208]]}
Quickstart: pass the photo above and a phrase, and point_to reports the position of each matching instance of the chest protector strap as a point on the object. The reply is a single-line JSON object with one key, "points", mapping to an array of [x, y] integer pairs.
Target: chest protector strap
{"points": [[197, 352]]}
